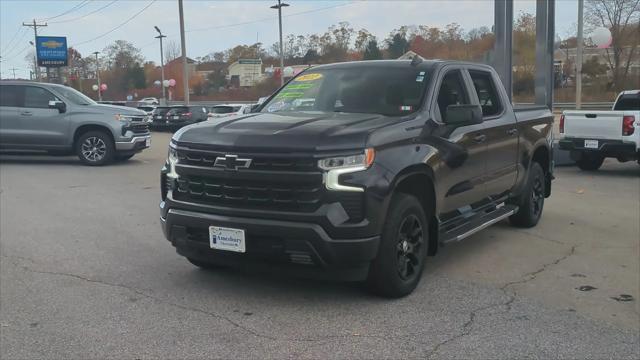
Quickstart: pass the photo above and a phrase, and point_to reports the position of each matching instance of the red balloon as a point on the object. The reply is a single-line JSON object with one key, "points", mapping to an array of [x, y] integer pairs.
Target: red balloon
{"points": [[103, 87]]}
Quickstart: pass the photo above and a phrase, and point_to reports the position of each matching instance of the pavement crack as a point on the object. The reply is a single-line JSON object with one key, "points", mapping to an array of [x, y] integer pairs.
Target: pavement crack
{"points": [[511, 297]]}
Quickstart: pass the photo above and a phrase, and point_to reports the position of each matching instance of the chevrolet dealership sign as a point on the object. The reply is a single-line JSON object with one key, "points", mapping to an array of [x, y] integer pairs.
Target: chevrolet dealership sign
{"points": [[51, 51]]}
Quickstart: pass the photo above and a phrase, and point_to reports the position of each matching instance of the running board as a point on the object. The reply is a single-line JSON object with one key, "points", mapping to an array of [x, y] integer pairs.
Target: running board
{"points": [[476, 223]]}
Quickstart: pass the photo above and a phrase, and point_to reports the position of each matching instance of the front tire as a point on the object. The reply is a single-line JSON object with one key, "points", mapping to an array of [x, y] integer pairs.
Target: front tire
{"points": [[590, 161], [531, 202], [403, 249], [95, 148]]}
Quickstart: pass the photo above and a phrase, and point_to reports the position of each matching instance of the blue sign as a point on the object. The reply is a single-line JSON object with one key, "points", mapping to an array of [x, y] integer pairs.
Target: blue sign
{"points": [[51, 51]]}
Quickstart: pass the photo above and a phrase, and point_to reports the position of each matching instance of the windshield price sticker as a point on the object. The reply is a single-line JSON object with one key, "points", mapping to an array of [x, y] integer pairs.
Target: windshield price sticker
{"points": [[309, 77]]}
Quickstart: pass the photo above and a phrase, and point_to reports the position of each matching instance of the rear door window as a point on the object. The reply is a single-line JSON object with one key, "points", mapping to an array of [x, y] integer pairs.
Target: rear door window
{"points": [[487, 94], [9, 95], [37, 97]]}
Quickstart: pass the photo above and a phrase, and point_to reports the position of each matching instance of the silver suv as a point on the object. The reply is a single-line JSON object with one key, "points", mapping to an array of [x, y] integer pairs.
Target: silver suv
{"points": [[61, 120]]}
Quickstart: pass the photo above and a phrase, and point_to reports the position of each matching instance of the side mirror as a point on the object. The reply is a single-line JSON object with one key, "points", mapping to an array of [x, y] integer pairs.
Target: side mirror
{"points": [[464, 114], [62, 107]]}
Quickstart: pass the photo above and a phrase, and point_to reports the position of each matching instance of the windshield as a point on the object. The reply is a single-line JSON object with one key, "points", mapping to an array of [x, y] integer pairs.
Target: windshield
{"points": [[628, 102], [390, 91], [146, 108], [161, 110], [74, 96], [224, 109]]}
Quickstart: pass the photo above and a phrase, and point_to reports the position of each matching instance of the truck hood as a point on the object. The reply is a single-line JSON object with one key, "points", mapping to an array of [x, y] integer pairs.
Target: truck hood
{"points": [[114, 109], [288, 131]]}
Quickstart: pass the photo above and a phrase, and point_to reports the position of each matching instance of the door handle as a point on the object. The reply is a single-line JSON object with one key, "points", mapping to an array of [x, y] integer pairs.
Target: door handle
{"points": [[26, 113], [480, 138], [512, 132]]}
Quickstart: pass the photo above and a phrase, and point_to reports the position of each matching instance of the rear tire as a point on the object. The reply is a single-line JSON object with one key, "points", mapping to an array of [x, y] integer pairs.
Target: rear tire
{"points": [[397, 269], [531, 202], [590, 162], [95, 148]]}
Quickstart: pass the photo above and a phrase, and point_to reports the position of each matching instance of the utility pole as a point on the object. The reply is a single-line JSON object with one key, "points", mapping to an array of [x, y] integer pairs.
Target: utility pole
{"points": [[185, 72], [35, 27], [279, 6], [14, 72], [579, 55], [98, 76], [160, 36], [35, 60]]}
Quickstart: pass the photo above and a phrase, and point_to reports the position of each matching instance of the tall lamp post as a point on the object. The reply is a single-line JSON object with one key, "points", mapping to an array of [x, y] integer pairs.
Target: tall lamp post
{"points": [[279, 6], [35, 61], [98, 76], [160, 36]]}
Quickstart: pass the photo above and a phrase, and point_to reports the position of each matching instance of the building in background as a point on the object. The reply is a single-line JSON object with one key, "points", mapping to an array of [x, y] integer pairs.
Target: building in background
{"points": [[245, 72]]}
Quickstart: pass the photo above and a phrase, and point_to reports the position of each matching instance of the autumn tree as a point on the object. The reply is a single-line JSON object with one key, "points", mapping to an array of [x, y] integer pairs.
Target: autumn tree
{"points": [[371, 51], [171, 51], [622, 18], [397, 44]]}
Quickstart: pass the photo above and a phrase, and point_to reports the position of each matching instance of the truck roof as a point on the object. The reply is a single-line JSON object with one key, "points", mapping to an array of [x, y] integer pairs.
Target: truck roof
{"points": [[630, 92], [425, 64]]}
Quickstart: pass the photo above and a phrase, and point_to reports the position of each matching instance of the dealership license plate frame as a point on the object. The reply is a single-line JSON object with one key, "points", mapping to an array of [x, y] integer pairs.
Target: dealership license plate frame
{"points": [[227, 239], [591, 144]]}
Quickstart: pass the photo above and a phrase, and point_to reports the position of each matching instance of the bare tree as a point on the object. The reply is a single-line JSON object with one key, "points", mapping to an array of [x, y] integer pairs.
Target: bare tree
{"points": [[622, 18], [171, 51]]}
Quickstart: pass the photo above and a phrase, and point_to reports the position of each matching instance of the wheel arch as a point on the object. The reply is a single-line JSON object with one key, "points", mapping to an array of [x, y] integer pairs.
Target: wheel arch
{"points": [[82, 129], [418, 181]]}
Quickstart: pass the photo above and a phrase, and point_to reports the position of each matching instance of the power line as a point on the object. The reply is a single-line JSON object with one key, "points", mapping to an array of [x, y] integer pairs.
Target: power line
{"points": [[267, 18], [117, 27], [76, 7], [85, 15], [17, 54], [8, 44], [9, 50]]}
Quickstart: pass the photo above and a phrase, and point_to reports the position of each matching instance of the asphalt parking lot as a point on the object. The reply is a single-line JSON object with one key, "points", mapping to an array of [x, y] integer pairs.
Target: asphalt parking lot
{"points": [[86, 273]]}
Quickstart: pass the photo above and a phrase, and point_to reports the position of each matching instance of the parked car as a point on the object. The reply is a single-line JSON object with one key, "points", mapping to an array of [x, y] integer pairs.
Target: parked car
{"points": [[224, 110], [179, 115], [149, 101], [147, 108], [394, 159], [59, 119], [591, 136]]}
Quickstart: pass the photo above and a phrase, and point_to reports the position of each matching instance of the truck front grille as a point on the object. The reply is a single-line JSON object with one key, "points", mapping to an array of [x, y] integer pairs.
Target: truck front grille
{"points": [[249, 193], [258, 162]]}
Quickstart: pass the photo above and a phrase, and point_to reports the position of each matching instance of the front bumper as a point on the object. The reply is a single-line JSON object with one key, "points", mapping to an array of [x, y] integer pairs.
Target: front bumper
{"points": [[272, 245], [137, 143]]}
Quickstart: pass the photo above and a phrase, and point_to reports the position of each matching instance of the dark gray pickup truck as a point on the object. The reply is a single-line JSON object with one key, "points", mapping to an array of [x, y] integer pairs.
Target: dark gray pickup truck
{"points": [[358, 171]]}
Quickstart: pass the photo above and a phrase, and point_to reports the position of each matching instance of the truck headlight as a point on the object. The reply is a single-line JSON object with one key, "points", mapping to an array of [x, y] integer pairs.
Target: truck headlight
{"points": [[124, 118], [336, 166], [172, 160]]}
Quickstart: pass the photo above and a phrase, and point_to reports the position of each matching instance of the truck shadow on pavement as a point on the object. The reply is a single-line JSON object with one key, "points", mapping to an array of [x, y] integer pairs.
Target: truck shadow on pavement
{"points": [[31, 159]]}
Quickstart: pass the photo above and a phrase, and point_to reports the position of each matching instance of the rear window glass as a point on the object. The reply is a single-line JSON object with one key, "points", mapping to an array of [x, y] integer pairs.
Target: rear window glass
{"points": [[224, 109], [161, 110], [628, 102], [179, 110]]}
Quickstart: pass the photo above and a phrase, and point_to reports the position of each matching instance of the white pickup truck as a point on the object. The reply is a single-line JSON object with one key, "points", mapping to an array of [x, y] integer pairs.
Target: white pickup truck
{"points": [[592, 136]]}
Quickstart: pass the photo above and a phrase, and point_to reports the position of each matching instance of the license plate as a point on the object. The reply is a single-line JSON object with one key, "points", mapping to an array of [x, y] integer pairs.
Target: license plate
{"points": [[591, 144], [228, 239], [158, 116], [176, 118], [147, 142]]}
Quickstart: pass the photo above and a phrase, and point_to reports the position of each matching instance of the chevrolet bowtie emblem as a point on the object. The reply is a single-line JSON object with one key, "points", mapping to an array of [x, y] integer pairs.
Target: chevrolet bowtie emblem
{"points": [[231, 162]]}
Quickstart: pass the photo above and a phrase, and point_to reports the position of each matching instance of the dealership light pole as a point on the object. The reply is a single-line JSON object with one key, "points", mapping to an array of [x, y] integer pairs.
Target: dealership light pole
{"points": [[35, 61], [98, 76], [160, 36], [279, 6], [579, 55], [185, 72]]}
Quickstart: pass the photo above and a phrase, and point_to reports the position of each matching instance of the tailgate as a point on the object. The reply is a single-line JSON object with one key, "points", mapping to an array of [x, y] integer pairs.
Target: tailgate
{"points": [[593, 124]]}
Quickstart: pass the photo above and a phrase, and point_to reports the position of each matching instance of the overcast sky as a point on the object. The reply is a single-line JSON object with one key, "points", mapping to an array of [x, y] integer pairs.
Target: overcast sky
{"points": [[218, 25]]}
